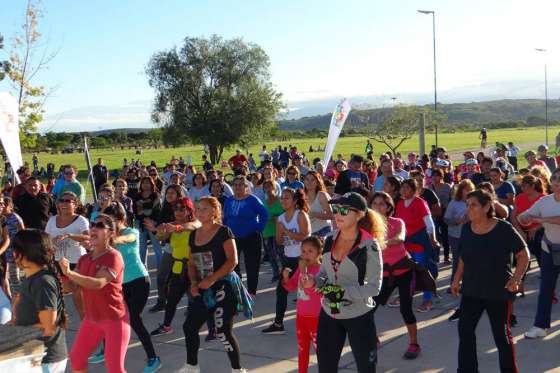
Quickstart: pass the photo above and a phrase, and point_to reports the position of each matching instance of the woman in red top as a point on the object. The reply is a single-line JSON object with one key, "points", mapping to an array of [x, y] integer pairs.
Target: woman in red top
{"points": [[420, 233], [393, 255], [99, 274], [532, 190]]}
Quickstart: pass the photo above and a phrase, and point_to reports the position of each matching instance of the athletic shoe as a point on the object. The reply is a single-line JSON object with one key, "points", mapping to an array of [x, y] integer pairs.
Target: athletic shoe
{"points": [[161, 330], [192, 368], [211, 336], [153, 365], [240, 370], [159, 306], [412, 351], [535, 332], [395, 303], [425, 307], [97, 358], [455, 316], [274, 329]]}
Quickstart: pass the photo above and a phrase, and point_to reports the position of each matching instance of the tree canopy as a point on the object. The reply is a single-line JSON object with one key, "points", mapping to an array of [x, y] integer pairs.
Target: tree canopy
{"points": [[217, 92]]}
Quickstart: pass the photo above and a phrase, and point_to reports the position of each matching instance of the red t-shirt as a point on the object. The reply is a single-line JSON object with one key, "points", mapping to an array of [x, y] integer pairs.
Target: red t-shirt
{"points": [[413, 215], [394, 253], [237, 160], [522, 203], [106, 303]]}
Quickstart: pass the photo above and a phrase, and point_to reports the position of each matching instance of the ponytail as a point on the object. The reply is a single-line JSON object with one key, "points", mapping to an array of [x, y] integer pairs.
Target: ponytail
{"points": [[374, 223], [301, 200]]}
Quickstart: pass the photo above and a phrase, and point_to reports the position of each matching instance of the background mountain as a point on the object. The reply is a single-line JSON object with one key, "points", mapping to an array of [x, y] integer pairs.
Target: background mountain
{"points": [[475, 113]]}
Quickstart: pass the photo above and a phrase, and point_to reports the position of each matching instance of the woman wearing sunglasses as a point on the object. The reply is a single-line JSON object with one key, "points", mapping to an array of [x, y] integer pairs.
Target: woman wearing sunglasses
{"points": [[147, 208], [105, 203], [292, 179], [178, 281], [349, 278], [99, 274], [69, 232], [292, 227]]}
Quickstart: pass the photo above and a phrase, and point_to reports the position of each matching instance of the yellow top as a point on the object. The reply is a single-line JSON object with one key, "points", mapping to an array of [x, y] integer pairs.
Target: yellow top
{"points": [[180, 250]]}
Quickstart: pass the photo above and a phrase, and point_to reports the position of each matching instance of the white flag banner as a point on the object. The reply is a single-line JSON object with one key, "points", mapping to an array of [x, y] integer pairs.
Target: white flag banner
{"points": [[9, 130], [339, 116]]}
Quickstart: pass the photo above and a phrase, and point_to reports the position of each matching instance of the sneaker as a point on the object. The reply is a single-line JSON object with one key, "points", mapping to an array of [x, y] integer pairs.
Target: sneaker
{"points": [[455, 316], [274, 328], [153, 365], [192, 368], [425, 307], [240, 370], [412, 351], [395, 303], [535, 332], [211, 336], [97, 358], [161, 330], [159, 306]]}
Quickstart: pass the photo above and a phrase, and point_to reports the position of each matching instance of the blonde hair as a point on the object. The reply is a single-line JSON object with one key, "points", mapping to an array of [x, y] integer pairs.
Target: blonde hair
{"points": [[374, 223], [216, 206]]}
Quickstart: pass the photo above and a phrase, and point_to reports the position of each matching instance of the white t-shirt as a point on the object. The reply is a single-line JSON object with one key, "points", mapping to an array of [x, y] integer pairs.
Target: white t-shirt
{"points": [[70, 249], [262, 155], [544, 208], [402, 174]]}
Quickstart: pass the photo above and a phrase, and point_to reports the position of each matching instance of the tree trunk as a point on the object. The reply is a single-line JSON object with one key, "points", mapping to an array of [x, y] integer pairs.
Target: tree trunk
{"points": [[221, 152], [213, 154]]}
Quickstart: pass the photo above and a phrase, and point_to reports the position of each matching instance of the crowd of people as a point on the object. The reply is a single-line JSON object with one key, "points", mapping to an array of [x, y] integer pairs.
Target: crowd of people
{"points": [[342, 235]]}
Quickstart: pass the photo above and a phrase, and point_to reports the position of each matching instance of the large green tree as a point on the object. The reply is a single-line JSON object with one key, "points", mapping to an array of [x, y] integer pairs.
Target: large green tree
{"points": [[218, 92]]}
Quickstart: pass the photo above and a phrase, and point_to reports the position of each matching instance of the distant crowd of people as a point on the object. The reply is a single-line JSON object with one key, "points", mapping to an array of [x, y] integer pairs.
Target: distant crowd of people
{"points": [[343, 236]]}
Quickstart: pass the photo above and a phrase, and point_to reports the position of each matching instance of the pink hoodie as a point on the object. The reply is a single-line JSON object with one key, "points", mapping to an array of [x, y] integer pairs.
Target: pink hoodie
{"points": [[308, 303]]}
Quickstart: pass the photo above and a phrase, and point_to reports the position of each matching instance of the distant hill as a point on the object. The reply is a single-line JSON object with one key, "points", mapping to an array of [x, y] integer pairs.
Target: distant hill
{"points": [[499, 111]]}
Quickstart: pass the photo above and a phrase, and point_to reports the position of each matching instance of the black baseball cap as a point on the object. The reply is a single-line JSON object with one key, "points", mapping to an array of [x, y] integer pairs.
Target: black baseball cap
{"points": [[351, 199]]}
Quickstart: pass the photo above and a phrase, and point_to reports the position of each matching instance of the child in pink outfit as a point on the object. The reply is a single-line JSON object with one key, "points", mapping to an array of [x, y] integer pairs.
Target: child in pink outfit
{"points": [[308, 301]]}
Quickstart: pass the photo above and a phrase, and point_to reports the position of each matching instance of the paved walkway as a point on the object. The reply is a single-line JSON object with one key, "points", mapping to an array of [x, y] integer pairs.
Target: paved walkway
{"points": [[438, 338]]}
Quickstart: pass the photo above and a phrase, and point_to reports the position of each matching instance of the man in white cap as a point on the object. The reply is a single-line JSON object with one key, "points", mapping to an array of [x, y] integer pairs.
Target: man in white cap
{"points": [[550, 161]]}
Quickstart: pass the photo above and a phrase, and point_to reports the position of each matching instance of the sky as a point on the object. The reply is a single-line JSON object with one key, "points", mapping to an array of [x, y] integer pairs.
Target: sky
{"points": [[319, 49]]}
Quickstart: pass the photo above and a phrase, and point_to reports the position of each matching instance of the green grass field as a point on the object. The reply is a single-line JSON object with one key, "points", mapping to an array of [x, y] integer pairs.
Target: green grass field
{"points": [[345, 145]]}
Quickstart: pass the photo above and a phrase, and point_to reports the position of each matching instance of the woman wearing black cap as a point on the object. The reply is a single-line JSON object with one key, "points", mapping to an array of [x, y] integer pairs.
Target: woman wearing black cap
{"points": [[488, 283], [349, 278]]}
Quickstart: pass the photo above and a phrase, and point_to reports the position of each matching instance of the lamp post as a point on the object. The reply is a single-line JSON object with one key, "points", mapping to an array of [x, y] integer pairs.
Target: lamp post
{"points": [[433, 13], [542, 50]]}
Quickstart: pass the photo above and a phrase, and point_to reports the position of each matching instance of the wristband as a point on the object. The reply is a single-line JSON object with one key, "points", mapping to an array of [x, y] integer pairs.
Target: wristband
{"points": [[178, 228]]}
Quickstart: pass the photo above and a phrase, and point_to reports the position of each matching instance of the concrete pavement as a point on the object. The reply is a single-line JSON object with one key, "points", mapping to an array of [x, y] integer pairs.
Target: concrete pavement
{"points": [[278, 353]]}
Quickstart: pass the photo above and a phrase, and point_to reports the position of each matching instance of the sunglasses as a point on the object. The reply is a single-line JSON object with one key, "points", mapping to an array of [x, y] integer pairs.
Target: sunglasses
{"points": [[180, 208], [153, 174], [291, 173], [342, 210], [69, 173], [99, 225], [103, 198], [64, 200]]}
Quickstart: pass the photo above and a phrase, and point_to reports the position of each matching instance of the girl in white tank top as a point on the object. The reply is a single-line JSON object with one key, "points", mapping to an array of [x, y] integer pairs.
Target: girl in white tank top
{"points": [[292, 248]]}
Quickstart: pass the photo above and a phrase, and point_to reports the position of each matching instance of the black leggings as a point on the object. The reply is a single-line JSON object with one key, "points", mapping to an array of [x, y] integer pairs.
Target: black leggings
{"points": [[251, 247], [281, 293], [499, 313], [177, 287], [136, 295], [223, 314], [404, 283], [331, 335]]}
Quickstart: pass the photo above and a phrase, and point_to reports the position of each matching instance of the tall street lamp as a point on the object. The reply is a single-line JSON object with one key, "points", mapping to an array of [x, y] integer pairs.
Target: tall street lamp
{"points": [[433, 13], [542, 50]]}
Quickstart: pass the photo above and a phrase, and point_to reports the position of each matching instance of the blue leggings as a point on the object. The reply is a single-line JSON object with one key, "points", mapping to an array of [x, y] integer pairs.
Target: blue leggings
{"points": [[420, 258], [144, 235]]}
